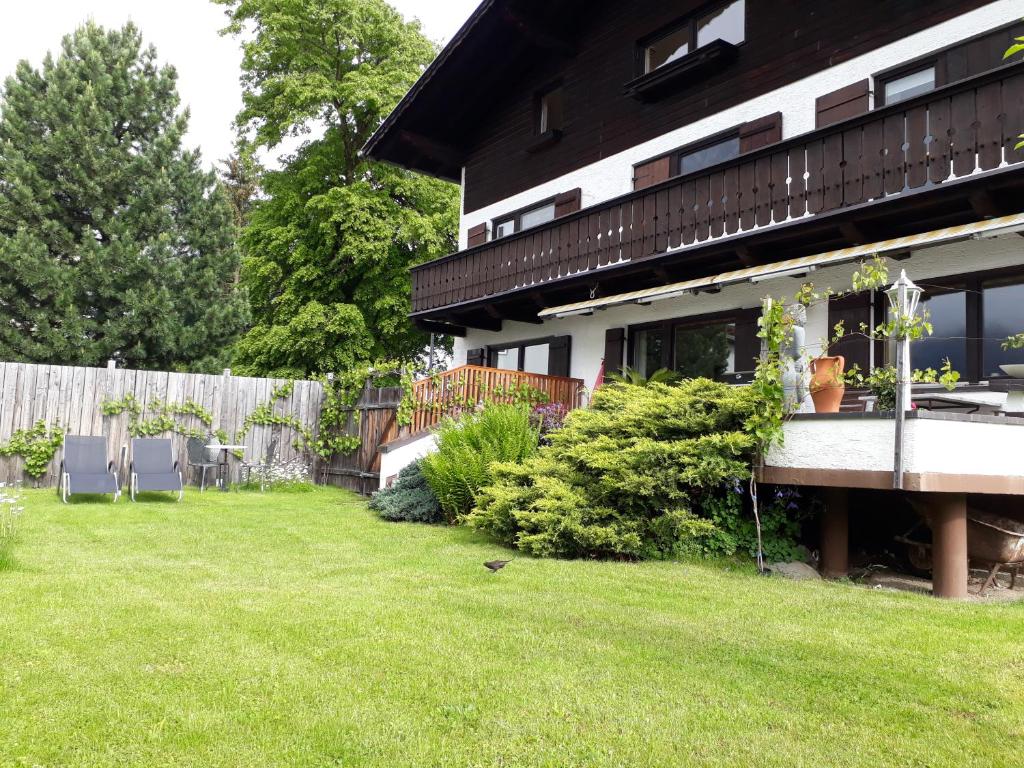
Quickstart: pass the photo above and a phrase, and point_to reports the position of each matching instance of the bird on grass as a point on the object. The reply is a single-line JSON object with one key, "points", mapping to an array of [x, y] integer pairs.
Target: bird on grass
{"points": [[496, 565]]}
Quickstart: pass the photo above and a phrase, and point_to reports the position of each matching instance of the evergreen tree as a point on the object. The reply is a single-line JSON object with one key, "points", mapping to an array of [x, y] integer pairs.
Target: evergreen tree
{"points": [[114, 242], [329, 246]]}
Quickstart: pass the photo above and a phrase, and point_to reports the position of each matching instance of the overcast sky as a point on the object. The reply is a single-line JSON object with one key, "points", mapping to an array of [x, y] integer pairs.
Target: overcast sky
{"points": [[185, 35]]}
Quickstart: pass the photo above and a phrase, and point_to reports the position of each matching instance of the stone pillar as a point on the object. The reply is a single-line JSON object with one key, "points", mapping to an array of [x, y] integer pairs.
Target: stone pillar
{"points": [[835, 534], [948, 515]]}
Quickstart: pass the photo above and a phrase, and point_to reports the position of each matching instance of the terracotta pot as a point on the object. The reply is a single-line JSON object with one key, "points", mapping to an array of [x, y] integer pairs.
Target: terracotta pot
{"points": [[827, 387]]}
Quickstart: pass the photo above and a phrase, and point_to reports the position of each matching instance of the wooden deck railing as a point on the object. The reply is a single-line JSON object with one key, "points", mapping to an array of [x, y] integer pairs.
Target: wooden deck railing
{"points": [[470, 385], [947, 134]]}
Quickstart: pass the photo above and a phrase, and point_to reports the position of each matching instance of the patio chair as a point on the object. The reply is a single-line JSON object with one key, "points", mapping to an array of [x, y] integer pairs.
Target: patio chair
{"points": [[199, 457], [84, 468], [153, 467], [261, 467]]}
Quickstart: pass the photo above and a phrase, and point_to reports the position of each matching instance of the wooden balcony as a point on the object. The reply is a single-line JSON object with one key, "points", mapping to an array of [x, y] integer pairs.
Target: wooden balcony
{"points": [[942, 158], [468, 386]]}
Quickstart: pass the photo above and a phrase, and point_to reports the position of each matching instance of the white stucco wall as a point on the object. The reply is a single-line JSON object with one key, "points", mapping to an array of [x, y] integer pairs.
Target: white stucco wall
{"points": [[613, 176], [588, 331], [394, 461], [930, 446]]}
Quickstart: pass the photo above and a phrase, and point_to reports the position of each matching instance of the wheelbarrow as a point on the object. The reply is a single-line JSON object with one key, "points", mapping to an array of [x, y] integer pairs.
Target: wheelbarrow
{"points": [[993, 542]]}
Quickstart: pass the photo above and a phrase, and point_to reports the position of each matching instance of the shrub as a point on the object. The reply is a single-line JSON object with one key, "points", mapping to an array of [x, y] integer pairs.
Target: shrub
{"points": [[639, 474], [408, 499], [467, 448]]}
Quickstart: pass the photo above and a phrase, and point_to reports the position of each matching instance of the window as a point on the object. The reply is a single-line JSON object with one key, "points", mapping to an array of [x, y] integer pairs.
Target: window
{"points": [[535, 216], [548, 356], [506, 359], [724, 23], [552, 110], [1001, 317], [705, 350], [710, 346], [948, 316], [505, 228], [535, 358], [648, 350], [708, 155], [909, 85]]}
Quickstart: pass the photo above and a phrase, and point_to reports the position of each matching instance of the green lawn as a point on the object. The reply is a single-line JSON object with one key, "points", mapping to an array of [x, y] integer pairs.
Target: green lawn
{"points": [[295, 629]]}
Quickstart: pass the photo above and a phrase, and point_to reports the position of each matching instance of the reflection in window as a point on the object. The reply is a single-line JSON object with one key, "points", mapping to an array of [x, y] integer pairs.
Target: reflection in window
{"points": [[726, 23], [537, 216], [908, 86], [705, 157], [667, 49], [648, 350], [1003, 315], [535, 358], [706, 350], [507, 359], [948, 316], [505, 228]]}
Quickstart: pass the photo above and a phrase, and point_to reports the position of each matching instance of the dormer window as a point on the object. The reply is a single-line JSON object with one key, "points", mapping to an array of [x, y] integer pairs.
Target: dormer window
{"points": [[552, 111], [726, 22]]}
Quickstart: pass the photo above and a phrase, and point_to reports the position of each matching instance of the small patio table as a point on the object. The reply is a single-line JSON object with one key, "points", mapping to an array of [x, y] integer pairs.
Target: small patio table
{"points": [[222, 471]]}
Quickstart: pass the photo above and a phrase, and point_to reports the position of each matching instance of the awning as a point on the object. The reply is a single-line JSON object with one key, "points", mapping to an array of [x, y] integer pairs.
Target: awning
{"points": [[987, 228]]}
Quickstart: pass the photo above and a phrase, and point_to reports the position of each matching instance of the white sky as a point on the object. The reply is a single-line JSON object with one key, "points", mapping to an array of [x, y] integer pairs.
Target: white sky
{"points": [[185, 35]]}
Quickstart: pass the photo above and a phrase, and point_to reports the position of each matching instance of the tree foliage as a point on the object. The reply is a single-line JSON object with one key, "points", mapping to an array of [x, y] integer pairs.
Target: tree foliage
{"points": [[328, 248], [114, 243]]}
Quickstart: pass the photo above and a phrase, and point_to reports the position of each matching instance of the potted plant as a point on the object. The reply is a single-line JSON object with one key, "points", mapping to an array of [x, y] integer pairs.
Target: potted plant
{"points": [[882, 381], [827, 383]]}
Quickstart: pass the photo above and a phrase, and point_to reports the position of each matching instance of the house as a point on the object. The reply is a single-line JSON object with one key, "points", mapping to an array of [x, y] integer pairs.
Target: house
{"points": [[637, 175]]}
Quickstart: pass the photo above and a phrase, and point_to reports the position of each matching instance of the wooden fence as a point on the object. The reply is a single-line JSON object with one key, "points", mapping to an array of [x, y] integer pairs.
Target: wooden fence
{"points": [[469, 385], [71, 398]]}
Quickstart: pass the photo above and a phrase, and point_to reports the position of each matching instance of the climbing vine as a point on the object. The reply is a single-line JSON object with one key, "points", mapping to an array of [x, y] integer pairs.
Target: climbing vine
{"points": [[264, 415], [163, 416], [36, 445]]}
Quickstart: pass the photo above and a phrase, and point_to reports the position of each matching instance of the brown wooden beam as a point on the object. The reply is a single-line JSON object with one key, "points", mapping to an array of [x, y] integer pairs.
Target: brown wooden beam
{"points": [[479, 320], [835, 534], [984, 204], [853, 233], [446, 329], [432, 148]]}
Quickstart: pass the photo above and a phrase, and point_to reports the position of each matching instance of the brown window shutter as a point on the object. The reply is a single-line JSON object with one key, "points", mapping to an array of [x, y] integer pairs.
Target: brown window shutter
{"points": [[567, 202], [476, 356], [761, 132], [478, 234], [652, 172], [558, 355], [841, 104], [614, 349]]}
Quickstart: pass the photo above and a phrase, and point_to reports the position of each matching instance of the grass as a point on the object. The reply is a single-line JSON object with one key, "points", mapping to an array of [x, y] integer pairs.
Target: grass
{"points": [[294, 629]]}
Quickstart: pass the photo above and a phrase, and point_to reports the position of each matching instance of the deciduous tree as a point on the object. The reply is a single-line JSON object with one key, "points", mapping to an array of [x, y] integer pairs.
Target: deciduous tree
{"points": [[327, 250]]}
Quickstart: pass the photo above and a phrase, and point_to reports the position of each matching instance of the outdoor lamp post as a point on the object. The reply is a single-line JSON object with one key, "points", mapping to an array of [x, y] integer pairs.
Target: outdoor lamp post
{"points": [[904, 298]]}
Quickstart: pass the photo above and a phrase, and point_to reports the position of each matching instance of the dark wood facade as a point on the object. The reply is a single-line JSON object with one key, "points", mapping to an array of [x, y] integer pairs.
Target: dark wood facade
{"points": [[785, 41], [899, 169]]}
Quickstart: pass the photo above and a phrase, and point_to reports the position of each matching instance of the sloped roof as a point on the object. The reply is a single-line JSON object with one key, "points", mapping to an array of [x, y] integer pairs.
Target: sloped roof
{"points": [[432, 127]]}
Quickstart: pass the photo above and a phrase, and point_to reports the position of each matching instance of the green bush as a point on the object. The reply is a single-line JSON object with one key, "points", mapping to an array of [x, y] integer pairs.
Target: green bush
{"points": [[467, 449], [637, 475], [408, 499]]}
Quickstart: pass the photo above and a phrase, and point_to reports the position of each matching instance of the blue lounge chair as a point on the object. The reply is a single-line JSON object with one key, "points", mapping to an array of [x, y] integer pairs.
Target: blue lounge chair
{"points": [[85, 468], [153, 467]]}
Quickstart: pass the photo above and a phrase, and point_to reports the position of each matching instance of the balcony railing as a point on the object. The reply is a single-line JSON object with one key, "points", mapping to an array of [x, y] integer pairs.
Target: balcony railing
{"points": [[471, 385], [947, 134]]}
